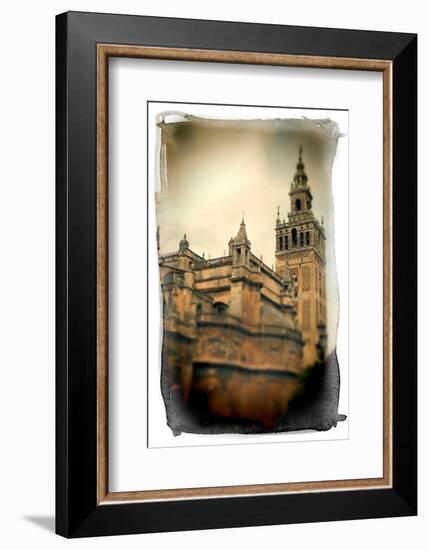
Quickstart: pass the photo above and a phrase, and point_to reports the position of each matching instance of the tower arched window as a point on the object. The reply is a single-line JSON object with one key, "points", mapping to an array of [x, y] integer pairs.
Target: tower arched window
{"points": [[294, 237], [298, 204]]}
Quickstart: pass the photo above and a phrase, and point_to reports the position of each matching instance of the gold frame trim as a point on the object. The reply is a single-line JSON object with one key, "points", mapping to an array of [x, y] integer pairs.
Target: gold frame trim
{"points": [[104, 51]]}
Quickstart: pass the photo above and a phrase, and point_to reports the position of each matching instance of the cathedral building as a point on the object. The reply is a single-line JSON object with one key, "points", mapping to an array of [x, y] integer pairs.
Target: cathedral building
{"points": [[238, 333]]}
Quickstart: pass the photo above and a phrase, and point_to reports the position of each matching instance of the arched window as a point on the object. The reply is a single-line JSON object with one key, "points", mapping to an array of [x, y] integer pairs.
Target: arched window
{"points": [[294, 236], [298, 204], [198, 310], [219, 309]]}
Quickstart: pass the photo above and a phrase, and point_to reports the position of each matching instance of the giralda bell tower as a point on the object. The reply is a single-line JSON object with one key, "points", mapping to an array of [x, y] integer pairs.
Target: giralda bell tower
{"points": [[300, 251]]}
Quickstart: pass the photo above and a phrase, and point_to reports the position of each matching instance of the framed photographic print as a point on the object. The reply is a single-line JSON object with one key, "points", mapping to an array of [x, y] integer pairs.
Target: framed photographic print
{"points": [[236, 274]]}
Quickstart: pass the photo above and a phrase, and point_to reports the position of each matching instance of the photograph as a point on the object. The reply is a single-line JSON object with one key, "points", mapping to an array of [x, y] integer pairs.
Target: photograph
{"points": [[247, 270]]}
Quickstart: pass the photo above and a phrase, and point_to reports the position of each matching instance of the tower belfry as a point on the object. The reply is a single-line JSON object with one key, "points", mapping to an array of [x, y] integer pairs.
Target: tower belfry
{"points": [[300, 251]]}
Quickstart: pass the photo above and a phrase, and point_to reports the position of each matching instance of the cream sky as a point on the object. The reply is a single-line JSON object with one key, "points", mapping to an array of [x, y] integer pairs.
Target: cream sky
{"points": [[214, 170]]}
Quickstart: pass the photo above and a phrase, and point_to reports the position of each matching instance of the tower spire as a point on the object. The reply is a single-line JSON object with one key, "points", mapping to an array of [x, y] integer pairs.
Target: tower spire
{"points": [[300, 178], [241, 237], [240, 246], [300, 193], [184, 243]]}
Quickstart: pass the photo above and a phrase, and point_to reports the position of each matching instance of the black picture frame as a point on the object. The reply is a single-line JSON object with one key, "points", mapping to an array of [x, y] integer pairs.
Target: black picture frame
{"points": [[78, 513]]}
